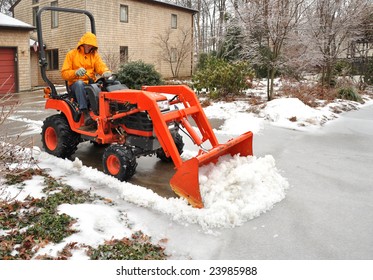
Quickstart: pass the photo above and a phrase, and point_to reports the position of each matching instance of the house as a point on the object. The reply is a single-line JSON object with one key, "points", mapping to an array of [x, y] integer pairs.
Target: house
{"points": [[14, 55], [358, 49], [127, 30]]}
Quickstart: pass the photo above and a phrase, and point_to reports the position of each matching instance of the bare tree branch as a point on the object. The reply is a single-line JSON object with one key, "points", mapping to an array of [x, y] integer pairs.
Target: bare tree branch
{"points": [[175, 49]]}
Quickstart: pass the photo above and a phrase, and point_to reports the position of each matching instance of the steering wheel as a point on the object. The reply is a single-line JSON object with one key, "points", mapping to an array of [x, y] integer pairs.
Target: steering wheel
{"points": [[104, 82]]}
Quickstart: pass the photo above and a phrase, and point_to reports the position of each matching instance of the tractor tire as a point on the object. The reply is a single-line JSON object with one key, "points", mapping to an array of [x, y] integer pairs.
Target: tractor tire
{"points": [[119, 161], [57, 137], [178, 139]]}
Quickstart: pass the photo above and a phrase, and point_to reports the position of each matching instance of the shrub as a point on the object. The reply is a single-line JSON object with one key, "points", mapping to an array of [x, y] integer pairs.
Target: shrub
{"points": [[221, 78], [309, 94], [342, 68], [368, 75], [202, 61], [137, 74], [349, 93]]}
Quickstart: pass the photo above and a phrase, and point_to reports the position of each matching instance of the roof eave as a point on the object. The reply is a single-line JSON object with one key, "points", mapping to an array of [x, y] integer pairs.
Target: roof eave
{"points": [[18, 27], [192, 11]]}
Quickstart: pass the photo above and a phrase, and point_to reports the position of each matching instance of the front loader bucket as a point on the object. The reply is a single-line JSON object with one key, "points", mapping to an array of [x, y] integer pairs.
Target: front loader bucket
{"points": [[185, 182]]}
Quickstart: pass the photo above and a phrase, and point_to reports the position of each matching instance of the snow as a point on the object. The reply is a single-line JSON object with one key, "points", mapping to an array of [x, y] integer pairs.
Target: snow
{"points": [[281, 111], [105, 224], [236, 118], [33, 187], [12, 22], [234, 191], [32, 126], [253, 186]]}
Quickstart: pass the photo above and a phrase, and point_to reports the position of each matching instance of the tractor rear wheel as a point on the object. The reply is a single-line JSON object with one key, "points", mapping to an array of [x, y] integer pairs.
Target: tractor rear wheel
{"points": [[57, 137], [120, 162], [178, 139]]}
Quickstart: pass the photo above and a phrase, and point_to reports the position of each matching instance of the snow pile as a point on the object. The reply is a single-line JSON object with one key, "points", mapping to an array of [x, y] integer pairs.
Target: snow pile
{"points": [[293, 113], [237, 118], [248, 122], [235, 190]]}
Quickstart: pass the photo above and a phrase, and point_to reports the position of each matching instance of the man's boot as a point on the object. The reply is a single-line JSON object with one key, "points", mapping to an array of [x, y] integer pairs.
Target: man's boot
{"points": [[87, 118]]}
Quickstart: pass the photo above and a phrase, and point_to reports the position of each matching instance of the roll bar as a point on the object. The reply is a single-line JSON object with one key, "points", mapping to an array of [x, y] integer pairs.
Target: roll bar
{"points": [[42, 59]]}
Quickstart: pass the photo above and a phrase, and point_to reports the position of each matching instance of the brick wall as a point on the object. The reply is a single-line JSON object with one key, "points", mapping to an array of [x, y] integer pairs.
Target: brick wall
{"points": [[146, 22], [20, 40], [62, 38]]}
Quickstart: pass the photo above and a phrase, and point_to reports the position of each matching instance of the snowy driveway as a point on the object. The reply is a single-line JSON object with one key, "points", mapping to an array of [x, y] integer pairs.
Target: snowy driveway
{"points": [[327, 212]]}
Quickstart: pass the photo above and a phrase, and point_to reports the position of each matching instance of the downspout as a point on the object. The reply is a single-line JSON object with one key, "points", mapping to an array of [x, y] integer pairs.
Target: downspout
{"points": [[192, 49]]}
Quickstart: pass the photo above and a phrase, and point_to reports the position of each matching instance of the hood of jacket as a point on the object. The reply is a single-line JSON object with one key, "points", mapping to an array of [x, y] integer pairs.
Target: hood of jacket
{"points": [[88, 39]]}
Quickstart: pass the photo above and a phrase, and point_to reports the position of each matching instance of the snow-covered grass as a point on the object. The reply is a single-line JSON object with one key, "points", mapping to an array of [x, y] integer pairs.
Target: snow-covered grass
{"points": [[254, 185]]}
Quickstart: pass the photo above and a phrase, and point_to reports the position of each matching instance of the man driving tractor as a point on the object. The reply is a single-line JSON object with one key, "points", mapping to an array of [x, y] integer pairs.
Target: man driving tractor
{"points": [[81, 65]]}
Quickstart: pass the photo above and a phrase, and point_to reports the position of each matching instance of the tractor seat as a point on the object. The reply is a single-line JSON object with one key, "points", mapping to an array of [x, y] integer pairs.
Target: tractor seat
{"points": [[93, 93]]}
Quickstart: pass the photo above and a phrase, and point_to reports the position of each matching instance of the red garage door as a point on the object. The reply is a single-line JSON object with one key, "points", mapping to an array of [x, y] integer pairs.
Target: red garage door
{"points": [[7, 70]]}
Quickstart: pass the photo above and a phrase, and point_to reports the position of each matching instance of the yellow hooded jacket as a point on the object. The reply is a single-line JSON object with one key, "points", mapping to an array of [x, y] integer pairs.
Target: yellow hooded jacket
{"points": [[76, 58]]}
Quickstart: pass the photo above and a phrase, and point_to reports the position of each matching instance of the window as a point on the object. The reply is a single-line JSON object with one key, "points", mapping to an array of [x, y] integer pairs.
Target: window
{"points": [[123, 13], [34, 12], [52, 59], [35, 2], [173, 21], [123, 54], [54, 19], [173, 54]]}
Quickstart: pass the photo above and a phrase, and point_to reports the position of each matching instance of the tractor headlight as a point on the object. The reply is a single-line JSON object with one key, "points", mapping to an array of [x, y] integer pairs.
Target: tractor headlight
{"points": [[163, 105]]}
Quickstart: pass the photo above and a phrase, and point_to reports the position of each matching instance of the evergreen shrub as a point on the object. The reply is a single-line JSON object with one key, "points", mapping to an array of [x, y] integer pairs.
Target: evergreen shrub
{"points": [[349, 93], [221, 78], [137, 74]]}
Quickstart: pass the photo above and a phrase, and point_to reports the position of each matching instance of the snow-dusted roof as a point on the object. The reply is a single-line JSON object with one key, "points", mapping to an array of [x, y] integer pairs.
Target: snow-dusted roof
{"points": [[7, 21]]}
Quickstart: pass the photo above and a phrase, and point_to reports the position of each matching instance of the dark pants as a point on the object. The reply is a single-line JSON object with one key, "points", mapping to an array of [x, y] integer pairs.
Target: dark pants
{"points": [[78, 91]]}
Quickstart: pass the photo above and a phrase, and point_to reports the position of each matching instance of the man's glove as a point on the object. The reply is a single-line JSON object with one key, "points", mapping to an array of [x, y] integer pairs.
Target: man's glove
{"points": [[107, 74], [80, 72]]}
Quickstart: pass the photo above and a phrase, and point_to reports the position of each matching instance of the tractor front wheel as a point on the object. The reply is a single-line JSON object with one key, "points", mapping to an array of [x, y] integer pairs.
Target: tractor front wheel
{"points": [[119, 162], [57, 137], [178, 139]]}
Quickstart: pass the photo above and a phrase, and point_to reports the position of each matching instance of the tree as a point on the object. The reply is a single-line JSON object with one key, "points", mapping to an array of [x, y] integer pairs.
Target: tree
{"points": [[209, 22], [112, 59], [175, 48], [5, 6], [269, 25], [361, 47], [330, 24], [232, 43]]}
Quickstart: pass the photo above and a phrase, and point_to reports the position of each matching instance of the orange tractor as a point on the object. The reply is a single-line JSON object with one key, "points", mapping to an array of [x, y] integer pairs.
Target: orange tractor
{"points": [[135, 123]]}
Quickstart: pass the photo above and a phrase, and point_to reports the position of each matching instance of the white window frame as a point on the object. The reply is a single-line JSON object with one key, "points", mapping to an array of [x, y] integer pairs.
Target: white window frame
{"points": [[54, 15], [173, 21], [123, 13], [173, 55]]}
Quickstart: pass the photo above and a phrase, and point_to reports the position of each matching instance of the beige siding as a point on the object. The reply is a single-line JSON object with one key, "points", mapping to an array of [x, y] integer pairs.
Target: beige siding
{"points": [[36, 79], [20, 40], [146, 21]]}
